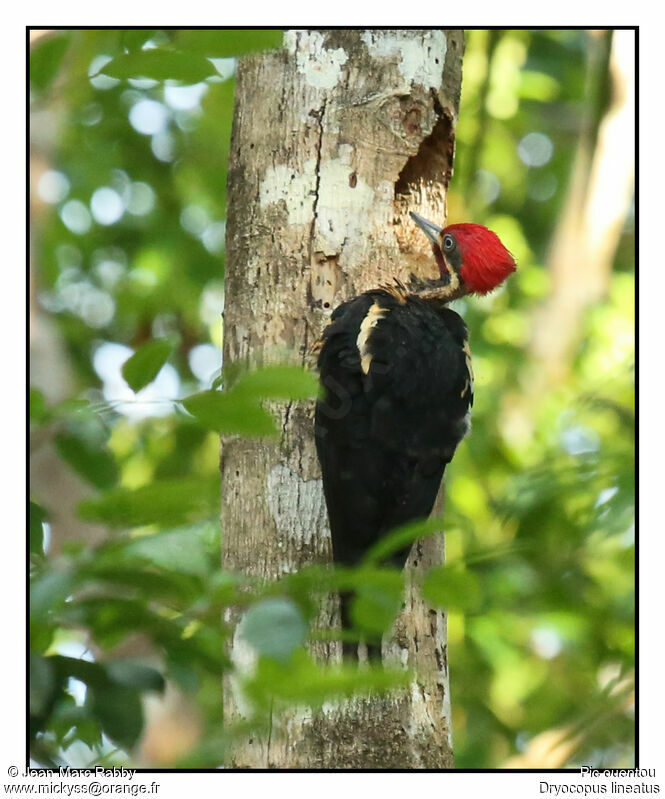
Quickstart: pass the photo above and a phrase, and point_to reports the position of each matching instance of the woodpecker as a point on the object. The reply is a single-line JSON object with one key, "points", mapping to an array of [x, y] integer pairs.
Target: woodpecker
{"points": [[397, 388]]}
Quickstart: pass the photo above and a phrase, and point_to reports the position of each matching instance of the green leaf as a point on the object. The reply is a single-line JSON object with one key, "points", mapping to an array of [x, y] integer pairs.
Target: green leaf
{"points": [[278, 382], [42, 632], [135, 38], [181, 671], [230, 412], [403, 537], [111, 620], [224, 588], [38, 411], [135, 675], [274, 627], [118, 709], [238, 410], [148, 582], [160, 65], [45, 59], [87, 671], [378, 600], [48, 593], [302, 681], [185, 550], [452, 587], [164, 502], [71, 723], [94, 463], [144, 365], [42, 684], [228, 43], [69, 408]]}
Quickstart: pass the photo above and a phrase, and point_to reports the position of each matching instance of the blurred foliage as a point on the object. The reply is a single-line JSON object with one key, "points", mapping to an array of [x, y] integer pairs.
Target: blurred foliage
{"points": [[551, 483], [130, 139]]}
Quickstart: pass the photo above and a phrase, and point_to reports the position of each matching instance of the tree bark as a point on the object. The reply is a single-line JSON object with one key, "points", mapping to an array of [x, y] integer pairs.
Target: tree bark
{"points": [[336, 137]]}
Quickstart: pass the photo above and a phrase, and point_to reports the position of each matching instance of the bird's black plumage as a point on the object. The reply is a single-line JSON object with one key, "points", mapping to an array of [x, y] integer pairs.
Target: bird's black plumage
{"points": [[397, 388]]}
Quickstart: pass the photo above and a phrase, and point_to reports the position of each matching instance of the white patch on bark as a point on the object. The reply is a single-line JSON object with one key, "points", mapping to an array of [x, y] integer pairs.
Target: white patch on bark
{"points": [[244, 659], [417, 63], [320, 67], [386, 191], [297, 506], [345, 152], [282, 182], [342, 210], [447, 710]]}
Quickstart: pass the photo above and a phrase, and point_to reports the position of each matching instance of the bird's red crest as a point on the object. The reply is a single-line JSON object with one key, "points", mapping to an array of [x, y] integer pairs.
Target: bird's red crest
{"points": [[486, 263]]}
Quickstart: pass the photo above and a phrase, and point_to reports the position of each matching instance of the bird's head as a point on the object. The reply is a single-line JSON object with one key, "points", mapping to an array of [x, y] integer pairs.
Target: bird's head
{"points": [[471, 260]]}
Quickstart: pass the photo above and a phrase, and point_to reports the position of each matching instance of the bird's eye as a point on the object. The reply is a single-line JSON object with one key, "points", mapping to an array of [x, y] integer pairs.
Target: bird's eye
{"points": [[448, 242]]}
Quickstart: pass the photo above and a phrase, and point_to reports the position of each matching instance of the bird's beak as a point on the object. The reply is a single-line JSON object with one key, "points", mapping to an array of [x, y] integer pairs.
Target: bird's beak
{"points": [[431, 230]]}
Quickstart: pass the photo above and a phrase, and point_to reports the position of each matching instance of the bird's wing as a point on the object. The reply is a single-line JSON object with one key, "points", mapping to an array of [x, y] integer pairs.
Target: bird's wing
{"points": [[418, 379], [392, 413]]}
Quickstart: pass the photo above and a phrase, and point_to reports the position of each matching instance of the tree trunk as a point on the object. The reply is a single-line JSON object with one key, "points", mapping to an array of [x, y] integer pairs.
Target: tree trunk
{"points": [[335, 139]]}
